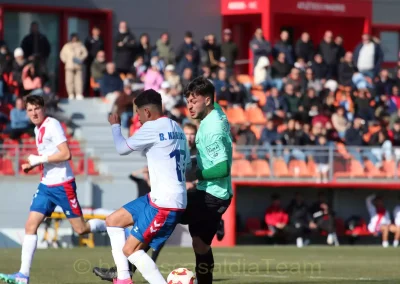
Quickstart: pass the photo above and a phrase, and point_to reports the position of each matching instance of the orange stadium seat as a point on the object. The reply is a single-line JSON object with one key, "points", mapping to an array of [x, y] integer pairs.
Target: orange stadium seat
{"points": [[389, 168], [298, 168], [242, 168], [312, 168], [341, 148], [261, 168], [373, 171], [255, 115], [6, 167], [280, 168], [257, 130], [261, 96], [355, 169], [235, 115], [244, 79], [75, 148], [235, 154], [91, 167], [11, 146]]}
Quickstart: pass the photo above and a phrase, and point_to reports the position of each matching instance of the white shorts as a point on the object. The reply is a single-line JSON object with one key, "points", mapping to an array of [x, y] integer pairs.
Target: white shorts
{"points": [[323, 168]]}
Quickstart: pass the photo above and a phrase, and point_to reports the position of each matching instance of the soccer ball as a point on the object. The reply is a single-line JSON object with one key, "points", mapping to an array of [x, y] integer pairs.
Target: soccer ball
{"points": [[181, 276]]}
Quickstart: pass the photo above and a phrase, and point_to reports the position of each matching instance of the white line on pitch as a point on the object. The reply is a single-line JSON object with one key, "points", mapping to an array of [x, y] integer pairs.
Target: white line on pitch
{"points": [[341, 278]]}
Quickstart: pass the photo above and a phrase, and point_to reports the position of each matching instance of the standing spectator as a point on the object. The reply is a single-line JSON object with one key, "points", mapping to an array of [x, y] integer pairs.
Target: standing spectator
{"points": [[73, 55], [299, 219], [310, 82], [262, 74], [188, 46], [322, 160], [111, 82], [20, 122], [319, 68], [279, 70], [123, 105], [340, 49], [31, 80], [380, 221], [259, 46], [329, 53], [384, 84], [153, 78], [36, 47], [368, 57], [187, 63], [145, 49], [292, 137], [124, 49], [354, 138], [284, 46], [305, 48], [212, 52], [93, 43], [16, 70], [346, 70], [276, 218], [229, 51], [339, 122], [98, 69], [165, 50], [173, 79], [276, 106]]}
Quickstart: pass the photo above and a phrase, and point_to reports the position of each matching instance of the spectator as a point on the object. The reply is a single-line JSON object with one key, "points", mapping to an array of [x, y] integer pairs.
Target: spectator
{"points": [[276, 218], [340, 49], [305, 48], [339, 122], [144, 49], [20, 122], [36, 46], [165, 50], [111, 81], [93, 44], [187, 62], [31, 80], [153, 78], [301, 65], [124, 49], [143, 183], [293, 136], [98, 68], [382, 147], [212, 52], [259, 46], [169, 100], [329, 53], [190, 131], [384, 84], [245, 136], [306, 103], [368, 57], [206, 72], [123, 105], [299, 219], [346, 70], [188, 46], [139, 67], [363, 109], [73, 55], [5, 67], [279, 70], [322, 160], [16, 70], [319, 68], [222, 86], [292, 100], [238, 93], [283, 46], [229, 51], [270, 136], [173, 79], [294, 79], [323, 219], [276, 106], [261, 73], [310, 82], [187, 77], [380, 221]]}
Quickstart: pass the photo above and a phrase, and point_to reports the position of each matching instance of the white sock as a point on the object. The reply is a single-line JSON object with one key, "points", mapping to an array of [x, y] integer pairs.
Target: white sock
{"points": [[385, 244], [97, 225], [147, 267], [299, 242], [28, 250], [117, 239], [396, 243]]}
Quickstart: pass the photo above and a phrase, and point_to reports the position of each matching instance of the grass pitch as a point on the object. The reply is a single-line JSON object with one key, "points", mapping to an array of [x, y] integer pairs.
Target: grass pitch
{"points": [[243, 264]]}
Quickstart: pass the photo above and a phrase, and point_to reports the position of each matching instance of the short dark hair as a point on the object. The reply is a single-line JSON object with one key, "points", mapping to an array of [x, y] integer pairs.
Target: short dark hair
{"points": [[190, 125], [34, 100], [148, 97], [202, 87]]}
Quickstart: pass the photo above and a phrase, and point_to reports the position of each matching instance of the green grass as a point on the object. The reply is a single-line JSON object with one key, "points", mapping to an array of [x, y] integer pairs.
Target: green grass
{"points": [[243, 264]]}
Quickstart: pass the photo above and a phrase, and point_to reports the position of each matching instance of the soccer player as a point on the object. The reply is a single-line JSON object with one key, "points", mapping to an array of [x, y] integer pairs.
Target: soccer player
{"points": [[57, 186], [213, 192], [153, 216]]}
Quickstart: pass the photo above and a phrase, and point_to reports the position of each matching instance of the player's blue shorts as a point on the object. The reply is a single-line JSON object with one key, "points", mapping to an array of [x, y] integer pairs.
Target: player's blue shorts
{"points": [[48, 197], [152, 225]]}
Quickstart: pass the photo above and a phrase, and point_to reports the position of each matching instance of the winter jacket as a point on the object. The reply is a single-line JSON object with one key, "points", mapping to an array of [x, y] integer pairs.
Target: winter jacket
{"points": [[73, 55]]}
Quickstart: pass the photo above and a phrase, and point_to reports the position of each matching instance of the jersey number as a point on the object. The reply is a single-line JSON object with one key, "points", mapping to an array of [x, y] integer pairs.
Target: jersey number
{"points": [[180, 158]]}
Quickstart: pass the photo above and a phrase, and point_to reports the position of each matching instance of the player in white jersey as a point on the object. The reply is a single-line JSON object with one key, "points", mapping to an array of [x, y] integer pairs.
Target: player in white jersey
{"points": [[153, 216], [57, 186]]}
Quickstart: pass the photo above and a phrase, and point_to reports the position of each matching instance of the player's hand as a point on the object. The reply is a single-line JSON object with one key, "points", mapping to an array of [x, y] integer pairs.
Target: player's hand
{"points": [[26, 167], [114, 119], [189, 185], [35, 160]]}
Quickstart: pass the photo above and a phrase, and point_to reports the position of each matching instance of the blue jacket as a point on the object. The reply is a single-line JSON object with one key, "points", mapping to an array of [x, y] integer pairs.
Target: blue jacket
{"points": [[110, 83], [19, 119], [286, 48], [263, 48], [271, 106], [377, 60]]}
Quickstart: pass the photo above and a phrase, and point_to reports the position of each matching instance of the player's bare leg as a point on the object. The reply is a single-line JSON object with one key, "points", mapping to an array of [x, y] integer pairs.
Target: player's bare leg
{"points": [[385, 235], [116, 224], [28, 249], [204, 261], [134, 250], [396, 236]]}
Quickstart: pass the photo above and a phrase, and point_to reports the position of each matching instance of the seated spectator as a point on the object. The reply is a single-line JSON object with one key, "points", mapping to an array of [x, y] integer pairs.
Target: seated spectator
{"points": [[140, 67], [294, 79], [382, 147], [311, 83], [134, 81], [16, 71], [31, 80], [279, 70], [187, 62], [380, 222], [276, 107], [169, 99], [340, 122], [354, 139], [347, 104], [299, 219], [50, 99], [111, 81], [20, 122], [363, 107], [306, 103], [360, 81], [301, 65], [292, 100], [5, 67], [123, 105], [3, 117], [98, 68], [244, 135], [384, 84], [206, 72], [269, 135], [153, 78], [346, 70], [320, 69], [261, 73], [293, 136], [173, 79], [284, 46], [222, 86], [238, 93], [321, 116], [276, 218], [187, 77], [321, 158], [323, 219]]}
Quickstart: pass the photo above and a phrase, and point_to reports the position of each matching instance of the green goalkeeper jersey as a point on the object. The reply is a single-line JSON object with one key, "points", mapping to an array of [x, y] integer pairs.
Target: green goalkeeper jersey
{"points": [[214, 145]]}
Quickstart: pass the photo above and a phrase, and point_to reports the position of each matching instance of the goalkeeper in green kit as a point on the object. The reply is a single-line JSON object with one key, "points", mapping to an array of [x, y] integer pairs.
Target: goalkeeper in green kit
{"points": [[209, 201]]}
